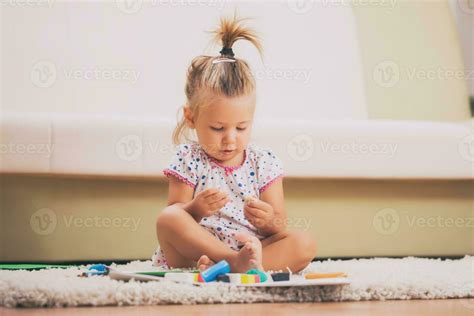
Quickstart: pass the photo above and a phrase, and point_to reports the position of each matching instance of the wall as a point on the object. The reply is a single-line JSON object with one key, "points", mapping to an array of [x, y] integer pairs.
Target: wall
{"points": [[463, 12], [413, 64], [61, 58]]}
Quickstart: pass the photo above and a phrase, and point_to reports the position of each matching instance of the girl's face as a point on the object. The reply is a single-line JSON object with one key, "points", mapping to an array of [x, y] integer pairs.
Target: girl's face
{"points": [[224, 126]]}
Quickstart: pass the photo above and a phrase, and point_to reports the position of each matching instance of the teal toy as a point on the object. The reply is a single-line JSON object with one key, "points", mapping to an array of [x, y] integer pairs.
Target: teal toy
{"points": [[261, 274]]}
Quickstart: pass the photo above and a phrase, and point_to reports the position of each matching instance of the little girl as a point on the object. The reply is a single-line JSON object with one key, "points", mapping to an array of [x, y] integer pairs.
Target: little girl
{"points": [[225, 195]]}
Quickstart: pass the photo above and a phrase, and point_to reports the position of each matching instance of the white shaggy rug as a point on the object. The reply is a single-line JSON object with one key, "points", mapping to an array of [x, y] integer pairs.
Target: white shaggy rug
{"points": [[372, 279]]}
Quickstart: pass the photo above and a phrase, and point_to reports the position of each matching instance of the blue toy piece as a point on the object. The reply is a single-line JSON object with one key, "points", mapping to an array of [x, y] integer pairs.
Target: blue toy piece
{"points": [[97, 269], [210, 274]]}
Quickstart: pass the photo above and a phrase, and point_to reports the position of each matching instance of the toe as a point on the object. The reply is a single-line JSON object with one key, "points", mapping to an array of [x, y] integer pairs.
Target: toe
{"points": [[207, 260], [252, 248], [204, 261], [201, 259]]}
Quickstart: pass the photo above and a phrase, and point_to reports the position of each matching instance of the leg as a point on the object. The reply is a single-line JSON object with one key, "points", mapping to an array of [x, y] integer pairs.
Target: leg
{"points": [[300, 247], [183, 241]]}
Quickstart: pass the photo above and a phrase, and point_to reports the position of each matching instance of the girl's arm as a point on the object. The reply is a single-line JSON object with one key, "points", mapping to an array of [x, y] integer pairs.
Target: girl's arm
{"points": [[203, 204], [274, 196], [180, 194]]}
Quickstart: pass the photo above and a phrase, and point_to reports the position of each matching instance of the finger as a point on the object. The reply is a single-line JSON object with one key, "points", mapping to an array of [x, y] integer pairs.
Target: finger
{"points": [[256, 203], [249, 198], [250, 218], [215, 197], [255, 212], [253, 217], [219, 204], [247, 215], [253, 202], [250, 212], [254, 221], [210, 191]]}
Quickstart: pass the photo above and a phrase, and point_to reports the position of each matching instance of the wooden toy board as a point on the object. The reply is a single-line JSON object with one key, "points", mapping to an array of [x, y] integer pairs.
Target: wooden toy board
{"points": [[295, 280]]}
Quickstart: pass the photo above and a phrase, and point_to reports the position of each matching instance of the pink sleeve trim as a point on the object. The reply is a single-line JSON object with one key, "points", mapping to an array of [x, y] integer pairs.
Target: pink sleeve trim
{"points": [[266, 186], [169, 172]]}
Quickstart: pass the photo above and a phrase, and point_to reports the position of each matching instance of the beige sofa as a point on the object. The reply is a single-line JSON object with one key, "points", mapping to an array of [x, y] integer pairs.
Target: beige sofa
{"points": [[395, 180]]}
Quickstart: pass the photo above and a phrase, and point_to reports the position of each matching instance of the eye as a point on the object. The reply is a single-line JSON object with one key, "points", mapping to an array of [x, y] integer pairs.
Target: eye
{"points": [[241, 128], [217, 128]]}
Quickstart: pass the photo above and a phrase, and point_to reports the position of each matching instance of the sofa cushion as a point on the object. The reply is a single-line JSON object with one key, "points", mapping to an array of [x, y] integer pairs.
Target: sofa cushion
{"points": [[119, 146]]}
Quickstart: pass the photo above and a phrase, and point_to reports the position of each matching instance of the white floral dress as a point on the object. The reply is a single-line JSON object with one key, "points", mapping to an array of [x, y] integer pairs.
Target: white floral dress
{"points": [[192, 165]]}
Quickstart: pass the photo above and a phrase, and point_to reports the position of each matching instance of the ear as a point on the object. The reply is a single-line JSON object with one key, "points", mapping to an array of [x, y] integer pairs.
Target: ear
{"points": [[188, 116]]}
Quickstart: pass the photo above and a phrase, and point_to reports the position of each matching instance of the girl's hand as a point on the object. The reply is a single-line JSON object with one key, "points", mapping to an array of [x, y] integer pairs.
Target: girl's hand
{"points": [[208, 202], [259, 213]]}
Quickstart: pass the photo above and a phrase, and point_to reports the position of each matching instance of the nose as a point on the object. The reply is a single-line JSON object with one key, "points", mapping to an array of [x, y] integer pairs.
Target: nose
{"points": [[230, 138]]}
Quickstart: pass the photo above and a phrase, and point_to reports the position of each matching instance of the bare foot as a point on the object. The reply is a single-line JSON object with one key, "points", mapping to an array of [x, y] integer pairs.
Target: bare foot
{"points": [[250, 256], [204, 262]]}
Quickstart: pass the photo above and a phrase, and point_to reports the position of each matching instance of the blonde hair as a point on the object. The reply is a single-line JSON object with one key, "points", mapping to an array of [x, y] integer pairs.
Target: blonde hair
{"points": [[206, 78]]}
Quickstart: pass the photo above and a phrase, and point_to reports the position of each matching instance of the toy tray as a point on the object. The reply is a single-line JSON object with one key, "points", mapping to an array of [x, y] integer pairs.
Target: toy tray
{"points": [[295, 280]]}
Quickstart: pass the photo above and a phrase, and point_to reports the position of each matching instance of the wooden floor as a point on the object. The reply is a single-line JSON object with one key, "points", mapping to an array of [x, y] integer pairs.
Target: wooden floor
{"points": [[456, 307]]}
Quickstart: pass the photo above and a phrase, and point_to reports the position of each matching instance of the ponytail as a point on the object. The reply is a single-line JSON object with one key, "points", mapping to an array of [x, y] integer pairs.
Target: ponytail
{"points": [[223, 75]]}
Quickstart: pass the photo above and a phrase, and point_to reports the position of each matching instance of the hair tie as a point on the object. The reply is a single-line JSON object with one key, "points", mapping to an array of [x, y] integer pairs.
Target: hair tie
{"points": [[227, 51], [223, 60], [227, 56]]}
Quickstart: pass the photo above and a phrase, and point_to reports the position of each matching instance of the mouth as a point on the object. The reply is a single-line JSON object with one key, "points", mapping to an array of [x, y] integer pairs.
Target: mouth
{"points": [[227, 152]]}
